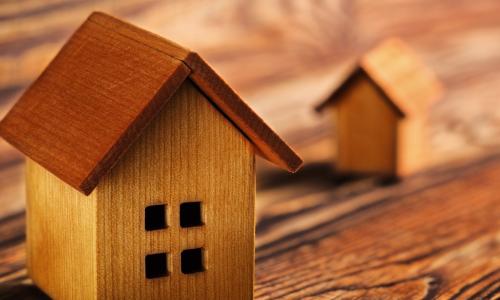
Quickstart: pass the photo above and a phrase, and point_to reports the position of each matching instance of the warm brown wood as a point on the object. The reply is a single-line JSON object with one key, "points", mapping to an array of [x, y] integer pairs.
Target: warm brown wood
{"points": [[399, 74], [90, 104], [266, 141], [204, 159], [431, 236], [372, 137], [381, 110], [413, 145], [309, 44], [60, 236], [398, 71], [100, 241], [367, 133], [103, 88], [132, 32], [456, 43]]}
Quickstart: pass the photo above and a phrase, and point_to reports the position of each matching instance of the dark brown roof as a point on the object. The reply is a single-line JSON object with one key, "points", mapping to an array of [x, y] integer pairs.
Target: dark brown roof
{"points": [[404, 80], [103, 88]]}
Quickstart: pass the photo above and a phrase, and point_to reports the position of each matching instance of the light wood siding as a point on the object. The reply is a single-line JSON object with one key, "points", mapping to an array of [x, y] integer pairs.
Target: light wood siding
{"points": [[412, 146], [190, 152], [61, 227], [367, 126]]}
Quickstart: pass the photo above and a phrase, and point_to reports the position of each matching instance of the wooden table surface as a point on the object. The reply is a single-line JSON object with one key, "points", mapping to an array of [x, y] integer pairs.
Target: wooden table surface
{"points": [[433, 235]]}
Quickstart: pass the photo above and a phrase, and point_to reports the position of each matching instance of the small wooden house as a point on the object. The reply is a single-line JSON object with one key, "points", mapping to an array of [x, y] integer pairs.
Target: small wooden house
{"points": [[379, 112], [140, 171]]}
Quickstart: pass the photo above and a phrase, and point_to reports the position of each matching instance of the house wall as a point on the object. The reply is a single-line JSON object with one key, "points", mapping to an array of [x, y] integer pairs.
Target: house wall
{"points": [[60, 229], [366, 130], [189, 152], [411, 145]]}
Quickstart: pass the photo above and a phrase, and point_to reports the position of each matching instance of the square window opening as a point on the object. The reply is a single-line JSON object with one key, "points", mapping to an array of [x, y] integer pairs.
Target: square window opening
{"points": [[155, 217], [190, 214], [156, 265], [192, 261]]}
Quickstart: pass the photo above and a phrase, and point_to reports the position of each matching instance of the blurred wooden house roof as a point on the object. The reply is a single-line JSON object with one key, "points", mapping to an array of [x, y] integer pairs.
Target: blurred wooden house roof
{"points": [[401, 77]]}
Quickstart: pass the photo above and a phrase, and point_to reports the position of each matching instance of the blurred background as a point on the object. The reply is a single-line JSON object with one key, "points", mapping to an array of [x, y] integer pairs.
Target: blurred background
{"points": [[283, 57]]}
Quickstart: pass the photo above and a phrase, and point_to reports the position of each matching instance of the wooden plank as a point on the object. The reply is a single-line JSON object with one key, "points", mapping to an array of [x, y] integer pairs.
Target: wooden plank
{"points": [[12, 187], [431, 236], [359, 239]]}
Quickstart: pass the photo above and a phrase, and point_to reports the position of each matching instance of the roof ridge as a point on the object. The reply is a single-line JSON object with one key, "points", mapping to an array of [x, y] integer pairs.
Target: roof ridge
{"points": [[130, 31], [200, 70]]}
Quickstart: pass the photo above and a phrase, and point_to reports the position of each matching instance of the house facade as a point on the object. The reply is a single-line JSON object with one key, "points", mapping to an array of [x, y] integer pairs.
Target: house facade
{"points": [[367, 130]]}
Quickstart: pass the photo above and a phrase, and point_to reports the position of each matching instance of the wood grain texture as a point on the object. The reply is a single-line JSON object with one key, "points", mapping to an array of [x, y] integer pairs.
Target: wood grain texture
{"points": [[432, 236], [104, 87], [257, 35], [205, 159], [100, 241], [132, 32], [90, 104], [309, 45], [61, 227], [266, 141], [268, 144], [359, 239]]}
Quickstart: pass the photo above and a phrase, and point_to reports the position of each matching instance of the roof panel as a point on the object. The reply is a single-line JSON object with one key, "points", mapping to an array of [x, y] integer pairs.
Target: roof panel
{"points": [[93, 99], [403, 77], [400, 75], [103, 88]]}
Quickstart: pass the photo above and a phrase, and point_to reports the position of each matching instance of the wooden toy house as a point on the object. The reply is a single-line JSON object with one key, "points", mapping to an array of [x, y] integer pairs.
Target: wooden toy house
{"points": [[140, 171], [379, 112]]}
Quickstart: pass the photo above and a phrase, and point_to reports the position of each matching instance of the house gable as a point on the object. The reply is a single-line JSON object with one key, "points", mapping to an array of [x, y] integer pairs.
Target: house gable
{"points": [[356, 79], [206, 160], [367, 130]]}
